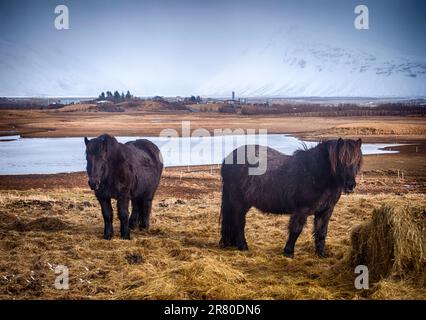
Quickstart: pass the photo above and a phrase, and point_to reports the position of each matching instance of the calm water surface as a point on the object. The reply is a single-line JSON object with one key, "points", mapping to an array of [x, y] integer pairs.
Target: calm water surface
{"points": [[55, 155]]}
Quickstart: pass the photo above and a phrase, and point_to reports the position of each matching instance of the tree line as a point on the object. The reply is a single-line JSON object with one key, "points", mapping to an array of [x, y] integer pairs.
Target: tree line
{"points": [[116, 96], [344, 109]]}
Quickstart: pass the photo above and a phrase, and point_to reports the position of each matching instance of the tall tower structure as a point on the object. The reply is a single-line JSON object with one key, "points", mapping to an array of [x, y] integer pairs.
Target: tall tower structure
{"points": [[233, 95]]}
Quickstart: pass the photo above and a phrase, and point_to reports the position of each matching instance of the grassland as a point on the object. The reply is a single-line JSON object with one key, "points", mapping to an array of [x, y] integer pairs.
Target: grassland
{"points": [[43, 225], [78, 121]]}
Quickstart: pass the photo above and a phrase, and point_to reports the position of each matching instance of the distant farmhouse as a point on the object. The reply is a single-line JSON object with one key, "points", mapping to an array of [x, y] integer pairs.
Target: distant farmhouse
{"points": [[235, 101]]}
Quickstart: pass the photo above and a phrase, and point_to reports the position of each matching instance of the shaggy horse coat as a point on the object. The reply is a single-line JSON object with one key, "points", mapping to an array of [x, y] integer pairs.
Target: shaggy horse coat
{"points": [[308, 182], [125, 172]]}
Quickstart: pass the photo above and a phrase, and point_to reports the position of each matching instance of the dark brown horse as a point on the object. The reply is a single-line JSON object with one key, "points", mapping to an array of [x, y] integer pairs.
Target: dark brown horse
{"points": [[308, 182], [125, 172]]}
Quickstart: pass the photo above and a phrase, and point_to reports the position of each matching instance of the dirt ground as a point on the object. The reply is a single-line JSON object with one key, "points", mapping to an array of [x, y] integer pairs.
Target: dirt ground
{"points": [[37, 123], [51, 220]]}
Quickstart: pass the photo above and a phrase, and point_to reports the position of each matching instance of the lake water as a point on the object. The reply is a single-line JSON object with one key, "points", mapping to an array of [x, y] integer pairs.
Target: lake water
{"points": [[56, 155]]}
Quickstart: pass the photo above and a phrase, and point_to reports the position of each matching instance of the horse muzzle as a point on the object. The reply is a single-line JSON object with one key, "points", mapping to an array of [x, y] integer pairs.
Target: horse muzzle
{"points": [[349, 187], [93, 185], [348, 191]]}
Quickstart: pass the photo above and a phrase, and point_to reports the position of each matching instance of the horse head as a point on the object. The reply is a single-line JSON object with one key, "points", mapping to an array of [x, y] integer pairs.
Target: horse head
{"points": [[98, 154], [345, 158]]}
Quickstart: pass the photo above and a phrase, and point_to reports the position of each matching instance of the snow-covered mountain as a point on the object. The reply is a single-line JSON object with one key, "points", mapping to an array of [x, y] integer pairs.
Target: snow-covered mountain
{"points": [[48, 71], [288, 66]]}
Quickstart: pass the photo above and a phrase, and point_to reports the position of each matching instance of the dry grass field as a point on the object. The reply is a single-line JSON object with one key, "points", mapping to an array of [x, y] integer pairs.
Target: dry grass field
{"points": [[44, 225], [77, 121]]}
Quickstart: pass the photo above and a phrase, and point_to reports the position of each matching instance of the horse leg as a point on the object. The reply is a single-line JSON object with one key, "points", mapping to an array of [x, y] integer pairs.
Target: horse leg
{"points": [[239, 225], [134, 217], [225, 220], [107, 215], [320, 230], [232, 222], [295, 227], [145, 214], [123, 214]]}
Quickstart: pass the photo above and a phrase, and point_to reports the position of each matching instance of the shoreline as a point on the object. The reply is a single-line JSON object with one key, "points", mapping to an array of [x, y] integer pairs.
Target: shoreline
{"points": [[409, 131], [408, 167], [200, 167], [304, 136]]}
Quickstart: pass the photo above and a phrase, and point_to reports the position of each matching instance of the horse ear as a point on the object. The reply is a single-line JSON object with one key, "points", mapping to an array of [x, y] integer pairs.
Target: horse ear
{"points": [[86, 141], [358, 143], [333, 155]]}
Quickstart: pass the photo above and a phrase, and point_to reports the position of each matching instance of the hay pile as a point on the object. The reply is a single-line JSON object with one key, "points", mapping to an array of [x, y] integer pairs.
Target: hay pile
{"points": [[393, 243]]}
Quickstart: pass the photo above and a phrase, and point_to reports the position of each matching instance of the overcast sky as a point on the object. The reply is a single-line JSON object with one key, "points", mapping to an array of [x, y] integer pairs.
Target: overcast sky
{"points": [[170, 47]]}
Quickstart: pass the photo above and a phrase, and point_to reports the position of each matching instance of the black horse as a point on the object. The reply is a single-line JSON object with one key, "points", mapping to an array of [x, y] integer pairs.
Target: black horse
{"points": [[125, 172], [308, 182]]}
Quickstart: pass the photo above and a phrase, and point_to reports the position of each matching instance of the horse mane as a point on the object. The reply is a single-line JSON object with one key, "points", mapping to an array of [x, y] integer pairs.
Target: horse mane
{"points": [[304, 147], [107, 138], [345, 152], [104, 140]]}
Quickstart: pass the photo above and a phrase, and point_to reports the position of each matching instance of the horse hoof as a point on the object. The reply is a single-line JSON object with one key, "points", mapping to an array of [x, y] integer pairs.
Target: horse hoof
{"points": [[107, 237], [127, 237], [243, 247], [288, 254], [323, 255], [225, 244]]}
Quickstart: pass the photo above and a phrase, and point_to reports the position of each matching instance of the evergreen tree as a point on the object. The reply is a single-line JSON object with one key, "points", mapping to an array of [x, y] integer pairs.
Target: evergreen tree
{"points": [[102, 96], [128, 95], [109, 95], [116, 95]]}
